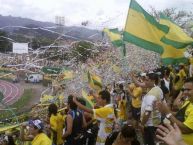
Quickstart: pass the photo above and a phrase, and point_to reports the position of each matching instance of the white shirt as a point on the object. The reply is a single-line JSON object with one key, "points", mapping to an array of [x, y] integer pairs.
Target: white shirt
{"points": [[148, 104], [167, 83]]}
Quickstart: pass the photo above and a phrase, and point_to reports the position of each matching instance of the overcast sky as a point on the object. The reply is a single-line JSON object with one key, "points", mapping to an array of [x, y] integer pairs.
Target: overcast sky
{"points": [[99, 13]]}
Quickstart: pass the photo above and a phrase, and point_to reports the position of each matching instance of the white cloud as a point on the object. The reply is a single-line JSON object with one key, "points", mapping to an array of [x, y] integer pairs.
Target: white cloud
{"points": [[100, 13]]}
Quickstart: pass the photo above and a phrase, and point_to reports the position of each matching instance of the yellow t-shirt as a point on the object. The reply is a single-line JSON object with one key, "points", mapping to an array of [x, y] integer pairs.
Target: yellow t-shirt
{"points": [[122, 114], [188, 138], [179, 84], [53, 122], [191, 60], [182, 73], [137, 93], [106, 117], [56, 123], [41, 139], [60, 128], [26, 143]]}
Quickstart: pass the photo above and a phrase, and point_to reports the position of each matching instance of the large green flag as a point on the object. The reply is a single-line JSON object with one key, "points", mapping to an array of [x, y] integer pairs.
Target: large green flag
{"points": [[173, 52], [143, 30], [115, 36], [116, 39], [171, 55], [175, 36]]}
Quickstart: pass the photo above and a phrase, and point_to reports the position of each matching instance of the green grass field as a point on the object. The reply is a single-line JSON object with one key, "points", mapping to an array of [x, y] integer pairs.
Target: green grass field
{"points": [[25, 98]]}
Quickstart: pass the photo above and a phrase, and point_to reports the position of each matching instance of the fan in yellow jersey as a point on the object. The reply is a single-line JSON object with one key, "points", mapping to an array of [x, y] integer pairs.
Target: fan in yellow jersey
{"points": [[122, 114], [136, 93], [105, 115], [184, 117], [122, 105], [181, 75], [36, 129], [56, 124]]}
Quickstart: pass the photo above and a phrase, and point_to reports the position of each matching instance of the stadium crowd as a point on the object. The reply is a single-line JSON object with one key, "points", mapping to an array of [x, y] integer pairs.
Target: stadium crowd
{"points": [[154, 107]]}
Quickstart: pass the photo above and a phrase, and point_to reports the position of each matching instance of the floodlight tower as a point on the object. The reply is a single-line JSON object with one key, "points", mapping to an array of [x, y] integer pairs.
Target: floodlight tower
{"points": [[60, 23]]}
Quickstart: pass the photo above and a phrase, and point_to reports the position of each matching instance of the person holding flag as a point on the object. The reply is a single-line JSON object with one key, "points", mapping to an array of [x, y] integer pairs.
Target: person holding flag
{"points": [[105, 114]]}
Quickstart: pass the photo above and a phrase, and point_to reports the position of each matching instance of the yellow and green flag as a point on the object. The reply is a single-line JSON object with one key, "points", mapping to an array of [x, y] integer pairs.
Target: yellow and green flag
{"points": [[116, 39], [47, 99], [143, 30], [68, 74], [89, 102], [175, 36], [171, 55], [174, 43], [9, 127], [94, 81], [115, 36]]}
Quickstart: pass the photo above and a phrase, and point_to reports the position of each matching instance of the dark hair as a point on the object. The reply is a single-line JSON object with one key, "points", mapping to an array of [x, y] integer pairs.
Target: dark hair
{"points": [[10, 140], [129, 132], [71, 103], [189, 80], [154, 76], [126, 132], [52, 109], [121, 86], [105, 95], [167, 72]]}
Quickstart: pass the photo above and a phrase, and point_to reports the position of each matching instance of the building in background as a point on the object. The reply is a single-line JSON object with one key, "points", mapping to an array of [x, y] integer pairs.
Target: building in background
{"points": [[20, 48]]}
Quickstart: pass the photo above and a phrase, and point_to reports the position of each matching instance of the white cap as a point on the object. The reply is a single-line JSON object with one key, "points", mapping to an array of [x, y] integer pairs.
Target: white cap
{"points": [[143, 74]]}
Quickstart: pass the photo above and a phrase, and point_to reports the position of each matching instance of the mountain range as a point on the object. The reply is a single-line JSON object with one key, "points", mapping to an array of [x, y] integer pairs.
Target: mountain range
{"points": [[30, 28]]}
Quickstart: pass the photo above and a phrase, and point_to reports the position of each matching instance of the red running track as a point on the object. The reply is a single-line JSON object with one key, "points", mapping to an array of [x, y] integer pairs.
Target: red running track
{"points": [[12, 92]]}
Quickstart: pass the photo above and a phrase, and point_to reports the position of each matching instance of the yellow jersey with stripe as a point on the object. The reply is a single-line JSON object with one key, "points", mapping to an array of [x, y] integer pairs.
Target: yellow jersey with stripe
{"points": [[41, 139], [106, 117], [188, 122]]}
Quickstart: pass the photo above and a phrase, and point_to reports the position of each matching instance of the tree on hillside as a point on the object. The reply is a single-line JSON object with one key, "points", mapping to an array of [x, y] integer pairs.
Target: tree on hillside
{"points": [[5, 44], [82, 51], [34, 44]]}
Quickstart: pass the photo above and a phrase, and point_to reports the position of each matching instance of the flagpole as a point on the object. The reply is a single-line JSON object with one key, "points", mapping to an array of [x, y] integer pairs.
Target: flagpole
{"points": [[125, 65]]}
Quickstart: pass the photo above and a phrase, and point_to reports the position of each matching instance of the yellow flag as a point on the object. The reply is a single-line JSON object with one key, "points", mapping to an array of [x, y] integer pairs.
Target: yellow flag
{"points": [[89, 102], [176, 36], [94, 81], [174, 43], [46, 98], [143, 30], [115, 36]]}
